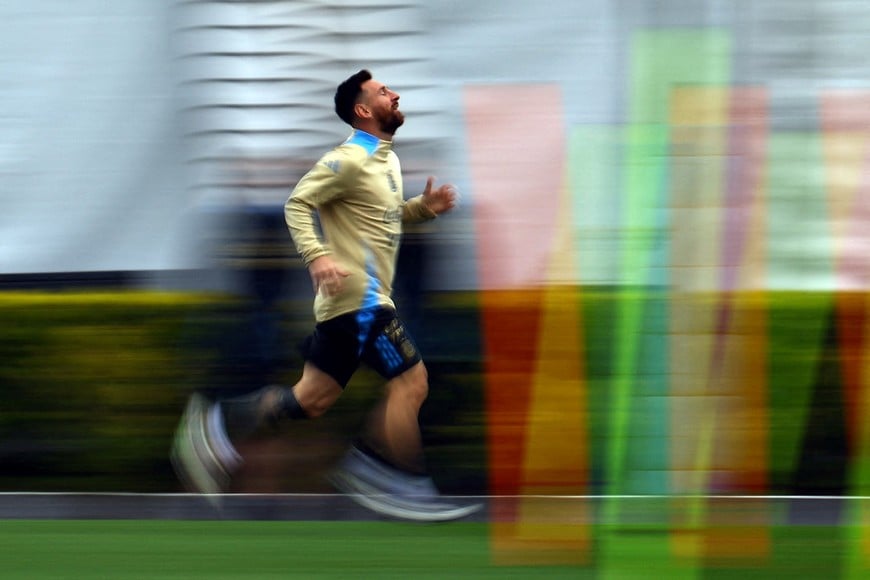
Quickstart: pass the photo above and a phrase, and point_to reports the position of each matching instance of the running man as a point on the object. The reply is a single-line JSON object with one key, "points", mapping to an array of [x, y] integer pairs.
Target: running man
{"points": [[350, 251]]}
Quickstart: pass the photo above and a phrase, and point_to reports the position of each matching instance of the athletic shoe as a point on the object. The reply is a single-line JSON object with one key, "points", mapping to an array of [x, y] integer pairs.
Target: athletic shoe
{"points": [[202, 454], [394, 493]]}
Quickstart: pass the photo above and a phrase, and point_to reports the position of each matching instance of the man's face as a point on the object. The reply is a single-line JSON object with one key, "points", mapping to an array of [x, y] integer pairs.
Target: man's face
{"points": [[384, 106]]}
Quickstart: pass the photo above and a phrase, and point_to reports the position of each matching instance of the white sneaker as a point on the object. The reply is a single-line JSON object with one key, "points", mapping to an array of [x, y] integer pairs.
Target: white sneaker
{"points": [[202, 454], [393, 493]]}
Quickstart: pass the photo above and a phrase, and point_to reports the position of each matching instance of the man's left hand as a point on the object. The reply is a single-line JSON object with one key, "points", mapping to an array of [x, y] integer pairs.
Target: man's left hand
{"points": [[441, 199]]}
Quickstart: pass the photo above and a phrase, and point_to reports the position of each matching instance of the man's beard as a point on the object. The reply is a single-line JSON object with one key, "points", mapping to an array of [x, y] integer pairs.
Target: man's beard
{"points": [[392, 122]]}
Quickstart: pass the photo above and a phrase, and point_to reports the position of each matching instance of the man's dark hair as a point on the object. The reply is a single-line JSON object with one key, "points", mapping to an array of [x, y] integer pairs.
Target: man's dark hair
{"points": [[347, 93]]}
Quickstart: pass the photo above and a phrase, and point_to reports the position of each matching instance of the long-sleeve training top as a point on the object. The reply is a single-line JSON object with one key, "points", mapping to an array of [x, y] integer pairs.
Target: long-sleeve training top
{"points": [[356, 190]]}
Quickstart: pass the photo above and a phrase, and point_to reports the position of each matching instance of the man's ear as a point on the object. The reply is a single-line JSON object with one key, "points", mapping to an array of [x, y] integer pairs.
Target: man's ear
{"points": [[362, 111]]}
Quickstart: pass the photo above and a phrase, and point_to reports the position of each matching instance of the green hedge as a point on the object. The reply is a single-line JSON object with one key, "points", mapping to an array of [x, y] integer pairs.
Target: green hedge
{"points": [[93, 385]]}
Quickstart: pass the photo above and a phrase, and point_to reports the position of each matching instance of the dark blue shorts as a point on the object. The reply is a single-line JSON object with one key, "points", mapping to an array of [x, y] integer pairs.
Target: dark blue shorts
{"points": [[375, 337]]}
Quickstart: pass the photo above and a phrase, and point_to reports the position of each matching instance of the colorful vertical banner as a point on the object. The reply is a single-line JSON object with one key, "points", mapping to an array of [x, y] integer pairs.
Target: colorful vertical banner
{"points": [[713, 368], [639, 438], [532, 347], [718, 332], [845, 122]]}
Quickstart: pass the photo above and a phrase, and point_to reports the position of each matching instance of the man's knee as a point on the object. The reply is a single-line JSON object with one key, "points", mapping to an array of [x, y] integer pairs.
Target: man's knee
{"points": [[316, 409], [316, 392], [413, 384]]}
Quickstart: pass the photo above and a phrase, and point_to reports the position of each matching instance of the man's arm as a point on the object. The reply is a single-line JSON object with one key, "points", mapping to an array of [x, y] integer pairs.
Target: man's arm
{"points": [[322, 184]]}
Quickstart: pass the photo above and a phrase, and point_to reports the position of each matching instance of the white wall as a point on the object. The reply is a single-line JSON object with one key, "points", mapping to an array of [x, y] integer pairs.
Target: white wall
{"points": [[120, 121]]}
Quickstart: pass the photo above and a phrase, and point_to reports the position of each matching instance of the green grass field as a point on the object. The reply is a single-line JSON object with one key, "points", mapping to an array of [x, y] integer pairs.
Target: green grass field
{"points": [[131, 549], [124, 549]]}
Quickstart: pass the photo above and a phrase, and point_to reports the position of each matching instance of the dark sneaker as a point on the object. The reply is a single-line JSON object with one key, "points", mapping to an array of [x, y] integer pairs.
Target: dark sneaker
{"points": [[394, 493], [202, 454]]}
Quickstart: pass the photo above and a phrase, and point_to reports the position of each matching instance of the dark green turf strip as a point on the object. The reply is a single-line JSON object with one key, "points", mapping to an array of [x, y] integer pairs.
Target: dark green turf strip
{"points": [[77, 549], [133, 549]]}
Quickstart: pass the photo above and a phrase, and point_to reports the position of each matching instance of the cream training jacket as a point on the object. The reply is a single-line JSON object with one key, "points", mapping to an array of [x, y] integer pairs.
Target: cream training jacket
{"points": [[351, 205]]}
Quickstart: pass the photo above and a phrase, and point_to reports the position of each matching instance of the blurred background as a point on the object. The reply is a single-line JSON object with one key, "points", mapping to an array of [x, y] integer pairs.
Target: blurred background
{"points": [[656, 284]]}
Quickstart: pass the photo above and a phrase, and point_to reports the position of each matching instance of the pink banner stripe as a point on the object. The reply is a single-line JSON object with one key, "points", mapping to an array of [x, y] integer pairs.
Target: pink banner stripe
{"points": [[516, 140]]}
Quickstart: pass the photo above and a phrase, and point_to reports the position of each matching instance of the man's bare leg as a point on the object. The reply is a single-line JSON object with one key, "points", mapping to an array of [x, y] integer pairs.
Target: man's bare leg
{"points": [[393, 429], [316, 391], [310, 397]]}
